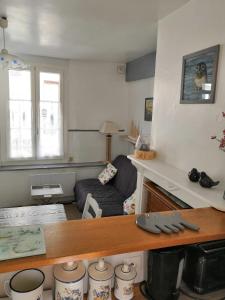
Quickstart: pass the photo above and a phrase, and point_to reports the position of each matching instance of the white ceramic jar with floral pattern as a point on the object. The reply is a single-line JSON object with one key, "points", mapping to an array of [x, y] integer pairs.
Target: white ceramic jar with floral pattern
{"points": [[69, 281], [100, 280], [124, 281]]}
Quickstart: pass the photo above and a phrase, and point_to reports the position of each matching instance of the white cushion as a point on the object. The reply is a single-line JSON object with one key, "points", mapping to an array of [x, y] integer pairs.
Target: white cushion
{"points": [[129, 205], [107, 174]]}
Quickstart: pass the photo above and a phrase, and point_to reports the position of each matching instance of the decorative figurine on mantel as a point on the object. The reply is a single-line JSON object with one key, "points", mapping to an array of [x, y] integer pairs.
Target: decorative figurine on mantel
{"points": [[204, 180], [221, 140], [194, 175]]}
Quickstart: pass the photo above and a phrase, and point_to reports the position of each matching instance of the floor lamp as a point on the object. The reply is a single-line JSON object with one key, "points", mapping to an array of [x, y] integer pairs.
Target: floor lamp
{"points": [[109, 128]]}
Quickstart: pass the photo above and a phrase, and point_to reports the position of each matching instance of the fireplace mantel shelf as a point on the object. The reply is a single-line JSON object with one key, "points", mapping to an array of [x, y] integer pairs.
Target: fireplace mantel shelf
{"points": [[177, 183]]}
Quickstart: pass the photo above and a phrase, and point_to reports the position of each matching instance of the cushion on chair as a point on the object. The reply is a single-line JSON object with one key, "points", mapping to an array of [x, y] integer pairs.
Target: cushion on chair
{"points": [[129, 205], [107, 174]]}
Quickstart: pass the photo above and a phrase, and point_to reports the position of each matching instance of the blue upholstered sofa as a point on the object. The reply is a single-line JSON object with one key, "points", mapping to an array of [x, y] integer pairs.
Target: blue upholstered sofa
{"points": [[110, 196]]}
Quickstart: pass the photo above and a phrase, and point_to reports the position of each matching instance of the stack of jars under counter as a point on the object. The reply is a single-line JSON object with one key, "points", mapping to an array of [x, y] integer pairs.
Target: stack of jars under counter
{"points": [[69, 279]]}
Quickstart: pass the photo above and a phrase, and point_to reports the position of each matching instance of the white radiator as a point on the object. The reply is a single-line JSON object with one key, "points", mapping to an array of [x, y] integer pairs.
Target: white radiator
{"points": [[67, 180]]}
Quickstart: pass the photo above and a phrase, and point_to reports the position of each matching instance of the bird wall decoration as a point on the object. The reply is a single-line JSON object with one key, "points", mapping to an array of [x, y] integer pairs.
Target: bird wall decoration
{"points": [[200, 75]]}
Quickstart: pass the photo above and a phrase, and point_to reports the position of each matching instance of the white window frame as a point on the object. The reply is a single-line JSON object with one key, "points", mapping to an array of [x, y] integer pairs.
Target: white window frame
{"points": [[35, 94], [37, 108]]}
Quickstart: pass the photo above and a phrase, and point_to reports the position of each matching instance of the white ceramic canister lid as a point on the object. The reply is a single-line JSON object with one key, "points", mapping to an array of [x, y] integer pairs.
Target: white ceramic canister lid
{"points": [[125, 272], [69, 272], [101, 270]]}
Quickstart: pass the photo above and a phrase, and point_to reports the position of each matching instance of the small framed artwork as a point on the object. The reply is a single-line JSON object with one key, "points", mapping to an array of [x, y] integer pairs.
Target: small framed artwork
{"points": [[148, 109], [199, 72]]}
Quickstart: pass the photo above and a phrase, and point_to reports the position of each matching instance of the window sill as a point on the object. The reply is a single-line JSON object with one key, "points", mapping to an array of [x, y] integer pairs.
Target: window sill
{"points": [[51, 166]]}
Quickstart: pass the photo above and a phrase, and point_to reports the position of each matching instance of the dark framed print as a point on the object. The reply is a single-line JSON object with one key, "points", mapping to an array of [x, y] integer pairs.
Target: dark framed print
{"points": [[148, 109], [199, 74]]}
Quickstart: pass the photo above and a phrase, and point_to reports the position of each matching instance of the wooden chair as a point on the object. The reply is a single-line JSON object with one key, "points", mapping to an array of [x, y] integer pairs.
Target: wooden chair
{"points": [[91, 208]]}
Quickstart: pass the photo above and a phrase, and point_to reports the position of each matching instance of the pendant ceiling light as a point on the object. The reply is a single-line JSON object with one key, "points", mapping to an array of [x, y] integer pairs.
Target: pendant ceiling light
{"points": [[8, 60]]}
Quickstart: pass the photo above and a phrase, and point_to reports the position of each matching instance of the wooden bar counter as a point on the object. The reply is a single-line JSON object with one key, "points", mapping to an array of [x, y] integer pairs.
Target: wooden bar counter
{"points": [[88, 239]]}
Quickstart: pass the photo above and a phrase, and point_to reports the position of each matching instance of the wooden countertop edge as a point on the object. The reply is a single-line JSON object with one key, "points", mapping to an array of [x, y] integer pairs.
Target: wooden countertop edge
{"points": [[112, 240]]}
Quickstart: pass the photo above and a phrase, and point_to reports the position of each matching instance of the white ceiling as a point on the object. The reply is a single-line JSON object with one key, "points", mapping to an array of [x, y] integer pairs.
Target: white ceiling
{"points": [[113, 30]]}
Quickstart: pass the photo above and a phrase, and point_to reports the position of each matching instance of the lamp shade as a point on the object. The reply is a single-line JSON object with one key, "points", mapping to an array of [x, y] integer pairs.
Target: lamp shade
{"points": [[11, 61], [109, 127]]}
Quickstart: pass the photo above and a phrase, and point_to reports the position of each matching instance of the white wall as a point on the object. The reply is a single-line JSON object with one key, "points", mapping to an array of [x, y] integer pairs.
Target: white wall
{"points": [[181, 132], [137, 92], [96, 93]]}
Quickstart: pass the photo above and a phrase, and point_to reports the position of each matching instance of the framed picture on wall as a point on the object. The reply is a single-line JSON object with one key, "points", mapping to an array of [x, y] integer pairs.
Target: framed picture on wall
{"points": [[199, 72], [148, 109]]}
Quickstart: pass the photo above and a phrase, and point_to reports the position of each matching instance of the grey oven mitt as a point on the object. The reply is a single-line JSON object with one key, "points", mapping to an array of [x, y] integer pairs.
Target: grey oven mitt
{"points": [[157, 223]]}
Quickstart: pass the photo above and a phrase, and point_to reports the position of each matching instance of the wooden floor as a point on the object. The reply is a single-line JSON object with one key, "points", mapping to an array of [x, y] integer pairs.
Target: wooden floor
{"points": [[72, 212]]}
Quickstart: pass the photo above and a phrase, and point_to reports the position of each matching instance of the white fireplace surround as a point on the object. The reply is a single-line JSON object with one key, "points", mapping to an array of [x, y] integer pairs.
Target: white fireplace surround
{"points": [[177, 183]]}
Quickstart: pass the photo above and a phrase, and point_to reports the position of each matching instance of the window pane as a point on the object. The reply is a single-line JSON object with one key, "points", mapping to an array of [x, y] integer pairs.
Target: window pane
{"points": [[20, 143], [49, 87], [19, 85], [50, 133], [49, 143], [20, 115], [49, 115]]}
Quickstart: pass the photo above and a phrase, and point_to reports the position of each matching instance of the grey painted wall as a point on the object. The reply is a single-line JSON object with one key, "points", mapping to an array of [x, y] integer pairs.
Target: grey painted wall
{"points": [[141, 68]]}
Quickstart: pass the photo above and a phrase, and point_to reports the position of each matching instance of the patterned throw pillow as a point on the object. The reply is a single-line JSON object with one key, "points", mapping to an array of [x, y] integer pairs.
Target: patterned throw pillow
{"points": [[107, 174], [129, 205]]}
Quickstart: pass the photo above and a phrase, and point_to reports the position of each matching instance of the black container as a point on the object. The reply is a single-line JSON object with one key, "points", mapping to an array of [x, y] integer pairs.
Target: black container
{"points": [[205, 267], [165, 268]]}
